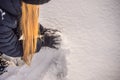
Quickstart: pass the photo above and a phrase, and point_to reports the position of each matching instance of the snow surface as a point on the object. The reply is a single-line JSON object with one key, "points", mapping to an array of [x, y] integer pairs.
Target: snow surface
{"points": [[91, 43]]}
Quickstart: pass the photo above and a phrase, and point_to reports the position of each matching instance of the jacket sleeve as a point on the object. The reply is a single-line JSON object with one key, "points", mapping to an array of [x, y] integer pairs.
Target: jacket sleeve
{"points": [[37, 2], [9, 43]]}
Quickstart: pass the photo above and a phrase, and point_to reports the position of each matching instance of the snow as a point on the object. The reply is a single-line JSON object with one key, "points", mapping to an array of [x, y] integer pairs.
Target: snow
{"points": [[46, 59], [90, 48]]}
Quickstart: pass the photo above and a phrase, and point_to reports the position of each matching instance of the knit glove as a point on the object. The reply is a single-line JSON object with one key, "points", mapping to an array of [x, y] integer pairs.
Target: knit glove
{"points": [[50, 37]]}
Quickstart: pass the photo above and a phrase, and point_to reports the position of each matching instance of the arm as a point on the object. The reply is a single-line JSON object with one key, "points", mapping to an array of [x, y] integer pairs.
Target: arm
{"points": [[50, 38], [9, 43]]}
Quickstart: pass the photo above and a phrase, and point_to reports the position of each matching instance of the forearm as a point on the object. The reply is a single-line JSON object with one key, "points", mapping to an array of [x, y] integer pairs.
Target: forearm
{"points": [[9, 43]]}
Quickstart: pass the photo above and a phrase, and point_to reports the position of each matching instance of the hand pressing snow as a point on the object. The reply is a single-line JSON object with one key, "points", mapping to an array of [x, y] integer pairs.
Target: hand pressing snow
{"points": [[50, 37]]}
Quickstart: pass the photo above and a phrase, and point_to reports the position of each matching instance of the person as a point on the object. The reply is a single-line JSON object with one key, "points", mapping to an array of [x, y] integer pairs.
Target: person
{"points": [[21, 35]]}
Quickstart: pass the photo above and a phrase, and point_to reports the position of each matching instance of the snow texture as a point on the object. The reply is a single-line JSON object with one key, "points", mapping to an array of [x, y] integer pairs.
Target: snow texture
{"points": [[90, 43]]}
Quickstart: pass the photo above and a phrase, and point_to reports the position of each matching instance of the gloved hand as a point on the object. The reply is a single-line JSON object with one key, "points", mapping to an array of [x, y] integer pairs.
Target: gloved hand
{"points": [[50, 38], [3, 65]]}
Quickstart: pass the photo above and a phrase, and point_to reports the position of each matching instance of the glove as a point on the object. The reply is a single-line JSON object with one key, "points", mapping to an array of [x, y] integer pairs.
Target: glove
{"points": [[3, 65], [50, 38]]}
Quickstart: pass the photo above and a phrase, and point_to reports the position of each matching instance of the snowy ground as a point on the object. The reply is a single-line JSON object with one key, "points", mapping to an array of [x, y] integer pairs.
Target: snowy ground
{"points": [[91, 42]]}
